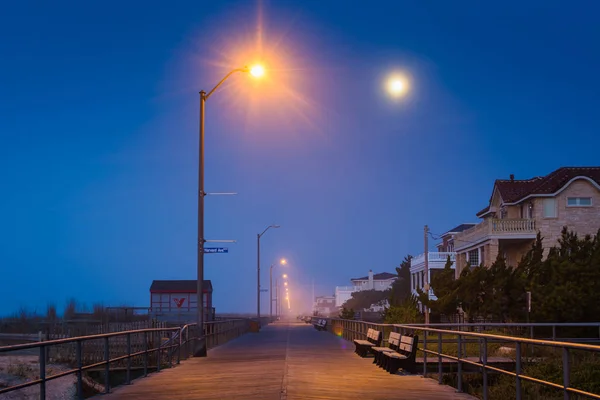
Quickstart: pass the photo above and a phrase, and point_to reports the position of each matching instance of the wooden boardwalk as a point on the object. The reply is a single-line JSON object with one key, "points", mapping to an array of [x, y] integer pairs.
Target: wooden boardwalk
{"points": [[290, 361]]}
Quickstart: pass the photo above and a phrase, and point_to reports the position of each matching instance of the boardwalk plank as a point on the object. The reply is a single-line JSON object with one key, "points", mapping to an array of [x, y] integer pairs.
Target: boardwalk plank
{"points": [[285, 361]]}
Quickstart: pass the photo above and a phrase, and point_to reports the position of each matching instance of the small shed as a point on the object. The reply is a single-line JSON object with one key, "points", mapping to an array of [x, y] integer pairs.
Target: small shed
{"points": [[176, 300]]}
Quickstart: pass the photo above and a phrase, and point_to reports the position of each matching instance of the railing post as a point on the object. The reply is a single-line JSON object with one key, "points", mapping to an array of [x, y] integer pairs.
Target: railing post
{"points": [[566, 373], [145, 353], [43, 372], [485, 375], [107, 366], [169, 352], [459, 372], [425, 354], [179, 346], [440, 358], [518, 370], [128, 378], [79, 372], [158, 351]]}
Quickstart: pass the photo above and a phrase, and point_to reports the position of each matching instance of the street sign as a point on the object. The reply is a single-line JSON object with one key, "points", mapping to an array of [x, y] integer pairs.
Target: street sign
{"points": [[208, 250]]}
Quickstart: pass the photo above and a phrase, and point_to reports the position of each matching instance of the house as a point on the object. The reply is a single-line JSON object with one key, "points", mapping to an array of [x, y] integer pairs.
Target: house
{"points": [[436, 260], [381, 281], [325, 306], [176, 301], [518, 209]]}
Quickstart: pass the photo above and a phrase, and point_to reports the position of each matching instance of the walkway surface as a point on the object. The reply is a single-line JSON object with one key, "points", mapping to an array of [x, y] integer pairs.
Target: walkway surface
{"points": [[290, 361]]}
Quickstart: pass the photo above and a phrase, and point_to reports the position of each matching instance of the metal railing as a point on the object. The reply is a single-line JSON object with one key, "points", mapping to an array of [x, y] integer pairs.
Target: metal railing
{"points": [[440, 257], [156, 351], [350, 330]]}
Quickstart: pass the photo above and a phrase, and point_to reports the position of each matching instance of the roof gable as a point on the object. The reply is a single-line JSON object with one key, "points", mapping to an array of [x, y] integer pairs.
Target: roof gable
{"points": [[180, 286], [513, 191], [459, 228]]}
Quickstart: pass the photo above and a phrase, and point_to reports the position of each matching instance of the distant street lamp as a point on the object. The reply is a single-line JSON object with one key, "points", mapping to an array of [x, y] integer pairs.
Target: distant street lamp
{"points": [[258, 236], [397, 85], [255, 71], [283, 261]]}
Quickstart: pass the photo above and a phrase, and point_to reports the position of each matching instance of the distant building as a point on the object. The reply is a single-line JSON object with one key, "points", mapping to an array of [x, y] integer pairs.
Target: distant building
{"points": [[381, 281], [436, 260], [325, 305], [176, 301]]}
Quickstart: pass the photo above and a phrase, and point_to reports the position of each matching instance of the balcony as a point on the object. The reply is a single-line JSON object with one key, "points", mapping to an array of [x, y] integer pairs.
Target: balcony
{"points": [[492, 228], [433, 257], [347, 288]]}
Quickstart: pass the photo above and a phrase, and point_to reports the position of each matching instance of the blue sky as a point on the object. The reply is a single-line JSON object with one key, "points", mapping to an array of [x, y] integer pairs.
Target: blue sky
{"points": [[98, 129]]}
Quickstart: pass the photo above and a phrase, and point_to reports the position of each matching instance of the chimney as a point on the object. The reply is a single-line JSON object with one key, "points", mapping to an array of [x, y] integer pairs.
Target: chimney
{"points": [[371, 285], [512, 177]]}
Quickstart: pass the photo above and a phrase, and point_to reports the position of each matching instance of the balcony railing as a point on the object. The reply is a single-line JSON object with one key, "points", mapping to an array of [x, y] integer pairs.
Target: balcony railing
{"points": [[433, 257], [496, 227], [347, 288], [513, 225]]}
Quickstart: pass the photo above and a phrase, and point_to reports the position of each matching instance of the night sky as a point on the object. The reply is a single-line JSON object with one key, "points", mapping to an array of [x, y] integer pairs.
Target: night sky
{"points": [[99, 135]]}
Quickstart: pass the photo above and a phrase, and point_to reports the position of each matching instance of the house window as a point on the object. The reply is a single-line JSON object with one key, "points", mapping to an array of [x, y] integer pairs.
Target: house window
{"points": [[550, 208], [579, 201], [474, 258]]}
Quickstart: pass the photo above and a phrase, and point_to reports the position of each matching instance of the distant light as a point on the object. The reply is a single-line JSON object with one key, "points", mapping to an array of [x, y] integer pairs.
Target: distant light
{"points": [[257, 71], [397, 86], [284, 276], [283, 261]]}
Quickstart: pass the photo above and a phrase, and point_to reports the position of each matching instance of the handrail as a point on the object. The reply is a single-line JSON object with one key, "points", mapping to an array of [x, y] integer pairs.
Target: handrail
{"points": [[350, 329], [216, 332]]}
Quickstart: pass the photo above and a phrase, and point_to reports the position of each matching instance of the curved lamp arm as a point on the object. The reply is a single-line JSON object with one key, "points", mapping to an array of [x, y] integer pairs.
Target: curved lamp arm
{"points": [[245, 69]]}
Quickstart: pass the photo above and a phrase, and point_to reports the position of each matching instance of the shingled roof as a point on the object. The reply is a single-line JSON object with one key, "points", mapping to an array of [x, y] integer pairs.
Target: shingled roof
{"points": [[383, 276], [180, 286], [513, 190], [459, 228]]}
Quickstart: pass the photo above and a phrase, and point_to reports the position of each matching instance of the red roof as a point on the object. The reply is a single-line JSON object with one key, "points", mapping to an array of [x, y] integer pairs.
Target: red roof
{"points": [[513, 190]]}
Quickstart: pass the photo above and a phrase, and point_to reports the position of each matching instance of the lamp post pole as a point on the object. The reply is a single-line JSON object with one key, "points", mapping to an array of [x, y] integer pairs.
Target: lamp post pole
{"points": [[258, 236], [200, 350], [271, 292]]}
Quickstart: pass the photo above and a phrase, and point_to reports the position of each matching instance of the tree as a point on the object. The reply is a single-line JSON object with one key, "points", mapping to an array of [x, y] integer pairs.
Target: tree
{"points": [[346, 313], [400, 289], [445, 289], [406, 312], [563, 286], [363, 299]]}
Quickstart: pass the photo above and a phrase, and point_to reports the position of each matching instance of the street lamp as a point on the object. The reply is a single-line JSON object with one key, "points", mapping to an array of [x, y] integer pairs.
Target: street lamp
{"points": [[258, 236], [397, 85], [283, 261], [201, 349]]}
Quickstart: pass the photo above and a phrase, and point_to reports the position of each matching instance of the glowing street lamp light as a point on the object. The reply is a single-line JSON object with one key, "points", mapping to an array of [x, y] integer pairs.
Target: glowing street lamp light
{"points": [[397, 86], [284, 276], [283, 261], [255, 71]]}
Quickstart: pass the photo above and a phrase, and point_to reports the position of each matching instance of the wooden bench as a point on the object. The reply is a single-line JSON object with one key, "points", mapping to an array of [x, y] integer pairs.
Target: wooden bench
{"points": [[404, 357], [321, 324], [393, 345], [373, 340]]}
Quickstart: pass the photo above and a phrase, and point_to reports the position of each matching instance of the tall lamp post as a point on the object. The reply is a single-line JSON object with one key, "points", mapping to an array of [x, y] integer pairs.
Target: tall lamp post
{"points": [[283, 261], [255, 71], [258, 236]]}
